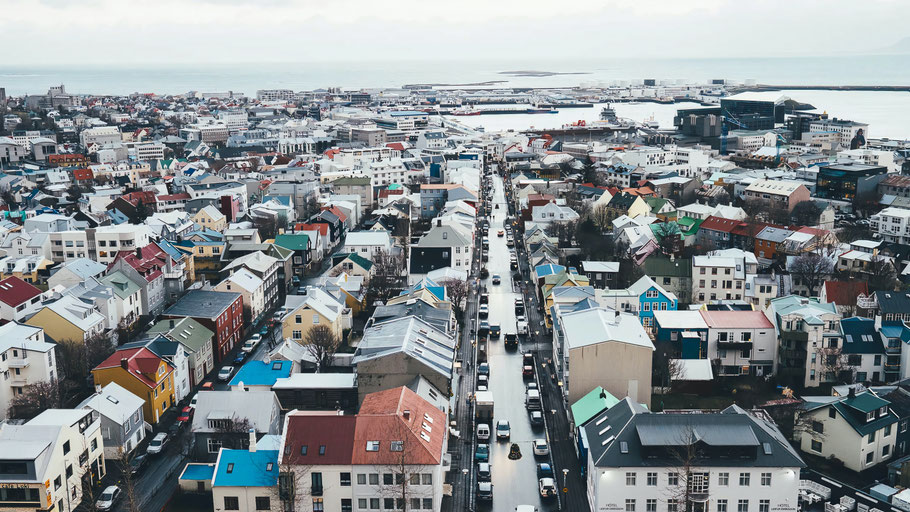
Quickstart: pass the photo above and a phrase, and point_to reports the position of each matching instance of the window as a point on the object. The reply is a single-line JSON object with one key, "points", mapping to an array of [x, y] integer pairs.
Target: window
{"points": [[744, 479], [886, 450], [721, 505], [387, 479], [214, 445], [886, 434], [95, 442], [69, 470], [415, 503], [346, 505], [818, 426], [374, 503], [871, 437], [870, 457], [672, 505], [651, 505], [231, 503], [723, 479], [264, 503], [397, 446], [58, 482], [298, 319], [630, 478], [816, 446], [426, 478], [346, 479], [362, 503], [766, 479], [630, 505], [372, 446], [297, 335], [374, 478], [321, 450], [764, 505], [672, 478], [652, 479], [388, 503], [66, 447], [315, 319], [742, 506], [361, 479]]}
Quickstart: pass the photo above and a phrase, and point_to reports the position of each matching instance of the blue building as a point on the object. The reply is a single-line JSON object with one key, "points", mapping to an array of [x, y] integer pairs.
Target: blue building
{"points": [[685, 331], [261, 374], [643, 298]]}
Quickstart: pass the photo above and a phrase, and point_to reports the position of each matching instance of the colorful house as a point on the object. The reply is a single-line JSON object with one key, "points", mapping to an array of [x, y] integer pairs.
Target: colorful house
{"points": [[142, 373], [643, 298]]}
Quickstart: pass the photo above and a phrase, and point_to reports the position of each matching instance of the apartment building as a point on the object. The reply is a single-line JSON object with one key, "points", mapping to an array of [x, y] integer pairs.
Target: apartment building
{"points": [[777, 193], [741, 342], [722, 275], [892, 225], [844, 129], [100, 136], [810, 340], [25, 359]]}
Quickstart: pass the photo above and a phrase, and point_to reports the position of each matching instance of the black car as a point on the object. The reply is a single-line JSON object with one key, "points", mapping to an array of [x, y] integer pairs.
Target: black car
{"points": [[496, 279], [494, 331], [138, 463], [484, 273], [484, 298], [483, 329]]}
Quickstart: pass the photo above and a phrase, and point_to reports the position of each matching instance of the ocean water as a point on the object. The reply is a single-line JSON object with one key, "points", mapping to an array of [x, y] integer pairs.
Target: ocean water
{"points": [[885, 112]]}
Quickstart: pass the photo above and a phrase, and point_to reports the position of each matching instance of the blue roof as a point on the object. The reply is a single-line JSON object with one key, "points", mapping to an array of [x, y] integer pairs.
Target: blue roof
{"points": [[242, 468], [284, 200], [549, 268], [439, 291], [198, 472], [117, 217], [861, 337], [262, 373]]}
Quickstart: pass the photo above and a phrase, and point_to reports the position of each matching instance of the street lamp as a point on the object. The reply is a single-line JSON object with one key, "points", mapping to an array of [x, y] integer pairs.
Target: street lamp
{"points": [[565, 479]]}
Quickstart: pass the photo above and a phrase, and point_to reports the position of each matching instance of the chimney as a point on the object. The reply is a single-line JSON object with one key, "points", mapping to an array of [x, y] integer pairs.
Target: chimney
{"points": [[852, 392], [407, 414], [170, 324], [124, 363], [252, 440], [438, 222], [138, 252]]}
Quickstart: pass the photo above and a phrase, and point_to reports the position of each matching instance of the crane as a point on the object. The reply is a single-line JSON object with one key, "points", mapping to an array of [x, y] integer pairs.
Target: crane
{"points": [[724, 119], [780, 138]]}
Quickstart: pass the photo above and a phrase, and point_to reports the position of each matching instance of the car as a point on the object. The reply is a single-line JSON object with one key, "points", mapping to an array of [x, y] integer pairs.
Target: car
{"points": [[484, 471], [483, 311], [157, 444], [225, 374], [482, 453], [483, 329], [513, 265], [511, 340], [240, 358], [547, 487], [483, 369], [482, 387], [500, 233], [483, 380], [531, 385], [541, 448], [485, 256], [249, 346], [503, 429], [527, 359], [295, 281], [208, 386], [484, 273], [544, 470], [173, 430], [495, 331], [527, 371], [186, 414], [484, 491], [519, 317], [108, 498], [536, 418], [138, 463], [510, 242], [264, 331], [484, 298], [496, 279], [483, 431], [257, 337]]}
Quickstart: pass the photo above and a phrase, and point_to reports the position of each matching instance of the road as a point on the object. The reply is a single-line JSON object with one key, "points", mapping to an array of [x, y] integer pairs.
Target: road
{"points": [[514, 481]]}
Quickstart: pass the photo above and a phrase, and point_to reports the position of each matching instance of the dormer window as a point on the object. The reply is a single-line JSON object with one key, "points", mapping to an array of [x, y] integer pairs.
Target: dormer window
{"points": [[870, 416], [883, 411]]}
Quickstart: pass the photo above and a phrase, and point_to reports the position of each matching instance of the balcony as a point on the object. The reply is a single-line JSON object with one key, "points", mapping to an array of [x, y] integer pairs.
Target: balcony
{"points": [[17, 362], [18, 380]]}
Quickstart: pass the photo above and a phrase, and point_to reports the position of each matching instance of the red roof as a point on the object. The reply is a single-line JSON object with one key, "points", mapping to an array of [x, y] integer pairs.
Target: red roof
{"points": [[719, 224], [337, 211], [82, 174], [395, 145], [147, 197], [140, 362], [150, 264], [386, 192], [15, 291], [844, 293], [335, 433], [174, 197], [382, 418], [323, 229], [736, 319], [331, 153]]}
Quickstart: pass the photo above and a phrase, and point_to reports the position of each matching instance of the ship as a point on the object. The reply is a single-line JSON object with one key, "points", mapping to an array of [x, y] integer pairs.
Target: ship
{"points": [[466, 112], [608, 113], [534, 110]]}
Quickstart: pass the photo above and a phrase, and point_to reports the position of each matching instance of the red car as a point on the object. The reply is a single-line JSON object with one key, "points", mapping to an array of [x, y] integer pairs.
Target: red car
{"points": [[185, 415], [208, 386]]}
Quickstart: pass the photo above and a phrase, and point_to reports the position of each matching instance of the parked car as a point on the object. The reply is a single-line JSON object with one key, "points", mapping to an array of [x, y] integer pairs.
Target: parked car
{"points": [[483, 329], [483, 311], [530, 385], [138, 463], [157, 444], [483, 431], [483, 369], [225, 374], [484, 491], [496, 279], [527, 371], [527, 359], [483, 381], [503, 429], [109, 497], [536, 418], [544, 470], [186, 414], [484, 297], [484, 472], [482, 453], [264, 331], [240, 358], [547, 487], [208, 386], [541, 448]]}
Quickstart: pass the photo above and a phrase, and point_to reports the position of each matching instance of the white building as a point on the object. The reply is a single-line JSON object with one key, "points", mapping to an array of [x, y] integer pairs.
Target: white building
{"points": [[722, 275], [892, 224], [736, 460], [741, 342], [368, 243], [25, 359], [100, 136], [250, 286], [846, 129], [552, 212]]}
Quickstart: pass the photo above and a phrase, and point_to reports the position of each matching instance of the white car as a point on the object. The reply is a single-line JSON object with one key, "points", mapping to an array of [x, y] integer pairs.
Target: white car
{"points": [[547, 487], [249, 346], [541, 448], [108, 498], [483, 432], [503, 429], [225, 374], [157, 444]]}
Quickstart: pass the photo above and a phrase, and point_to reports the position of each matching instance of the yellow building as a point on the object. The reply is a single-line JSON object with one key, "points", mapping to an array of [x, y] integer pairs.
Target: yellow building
{"points": [[25, 268], [564, 279], [68, 318], [210, 218], [317, 307], [144, 374]]}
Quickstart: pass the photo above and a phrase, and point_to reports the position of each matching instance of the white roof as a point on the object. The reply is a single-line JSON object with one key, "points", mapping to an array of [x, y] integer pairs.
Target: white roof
{"points": [[779, 187], [212, 212], [245, 279], [15, 335], [317, 381], [114, 402], [257, 260], [866, 244], [600, 266], [680, 319], [367, 238], [693, 369], [593, 326]]}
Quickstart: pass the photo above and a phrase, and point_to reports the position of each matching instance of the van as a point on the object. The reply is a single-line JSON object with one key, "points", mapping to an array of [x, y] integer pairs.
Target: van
{"points": [[483, 432], [532, 401]]}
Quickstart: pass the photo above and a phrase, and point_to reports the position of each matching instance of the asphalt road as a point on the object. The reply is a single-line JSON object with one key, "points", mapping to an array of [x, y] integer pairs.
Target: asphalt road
{"points": [[514, 481]]}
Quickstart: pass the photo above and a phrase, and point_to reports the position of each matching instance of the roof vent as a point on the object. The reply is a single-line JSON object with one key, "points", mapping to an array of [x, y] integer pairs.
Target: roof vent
{"points": [[607, 440]]}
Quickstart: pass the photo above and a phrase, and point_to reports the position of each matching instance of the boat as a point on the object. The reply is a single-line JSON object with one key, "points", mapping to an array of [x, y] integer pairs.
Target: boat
{"points": [[608, 113], [466, 112], [534, 110]]}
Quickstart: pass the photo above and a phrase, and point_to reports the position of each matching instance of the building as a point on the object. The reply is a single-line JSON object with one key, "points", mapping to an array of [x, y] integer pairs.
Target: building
{"points": [[892, 225], [844, 130], [210, 217], [219, 312], [100, 136], [260, 375], [18, 299], [443, 245], [246, 480], [733, 460], [741, 343], [600, 347], [266, 268], [68, 318], [777, 194], [251, 287], [223, 419], [601, 274], [122, 420], [25, 359], [197, 342], [810, 340], [858, 429], [368, 244], [721, 277], [359, 186], [46, 460], [340, 462], [850, 182], [314, 306], [144, 374], [752, 114], [641, 299]]}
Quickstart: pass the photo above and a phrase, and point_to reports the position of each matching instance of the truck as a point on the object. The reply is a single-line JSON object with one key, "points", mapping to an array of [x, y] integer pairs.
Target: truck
{"points": [[523, 328], [483, 407]]}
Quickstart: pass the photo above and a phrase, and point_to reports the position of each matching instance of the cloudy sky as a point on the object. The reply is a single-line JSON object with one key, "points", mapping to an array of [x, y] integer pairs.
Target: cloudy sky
{"points": [[134, 32]]}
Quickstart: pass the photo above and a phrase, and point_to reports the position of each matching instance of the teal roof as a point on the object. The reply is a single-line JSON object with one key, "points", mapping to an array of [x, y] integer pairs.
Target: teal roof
{"points": [[865, 402], [293, 241], [242, 468], [123, 286], [592, 404], [360, 260]]}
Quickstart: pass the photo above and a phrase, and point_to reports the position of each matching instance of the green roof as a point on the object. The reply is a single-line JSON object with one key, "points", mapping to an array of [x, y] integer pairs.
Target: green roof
{"points": [[360, 260], [352, 181], [656, 203], [591, 405], [187, 331], [865, 402], [123, 286], [662, 229], [661, 266], [293, 241], [688, 225]]}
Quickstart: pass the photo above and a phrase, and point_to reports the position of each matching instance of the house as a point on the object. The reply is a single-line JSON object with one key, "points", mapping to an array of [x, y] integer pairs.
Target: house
{"points": [[47, 460], [18, 299], [444, 245], [68, 318], [210, 217], [858, 429], [260, 375], [127, 296], [721, 275], [196, 341], [626, 204], [173, 353], [683, 334], [866, 351], [317, 391], [342, 461], [219, 312], [122, 420], [741, 343], [352, 264], [633, 460], [147, 266], [266, 268], [246, 479], [776, 194], [144, 374], [673, 274], [251, 287], [25, 359], [810, 340], [641, 299], [223, 420], [603, 348], [356, 185], [314, 306], [551, 212], [394, 352], [368, 244], [716, 233], [601, 274], [301, 248]]}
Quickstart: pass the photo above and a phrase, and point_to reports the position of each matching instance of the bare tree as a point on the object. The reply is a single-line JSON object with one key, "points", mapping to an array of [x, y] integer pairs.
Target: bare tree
{"points": [[688, 482], [882, 275], [266, 225], [601, 217], [457, 290], [124, 460], [294, 484], [322, 344], [387, 271], [34, 399], [811, 269], [403, 479]]}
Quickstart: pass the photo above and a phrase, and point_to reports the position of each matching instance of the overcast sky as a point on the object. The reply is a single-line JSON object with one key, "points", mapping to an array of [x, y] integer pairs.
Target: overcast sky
{"points": [[133, 32]]}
